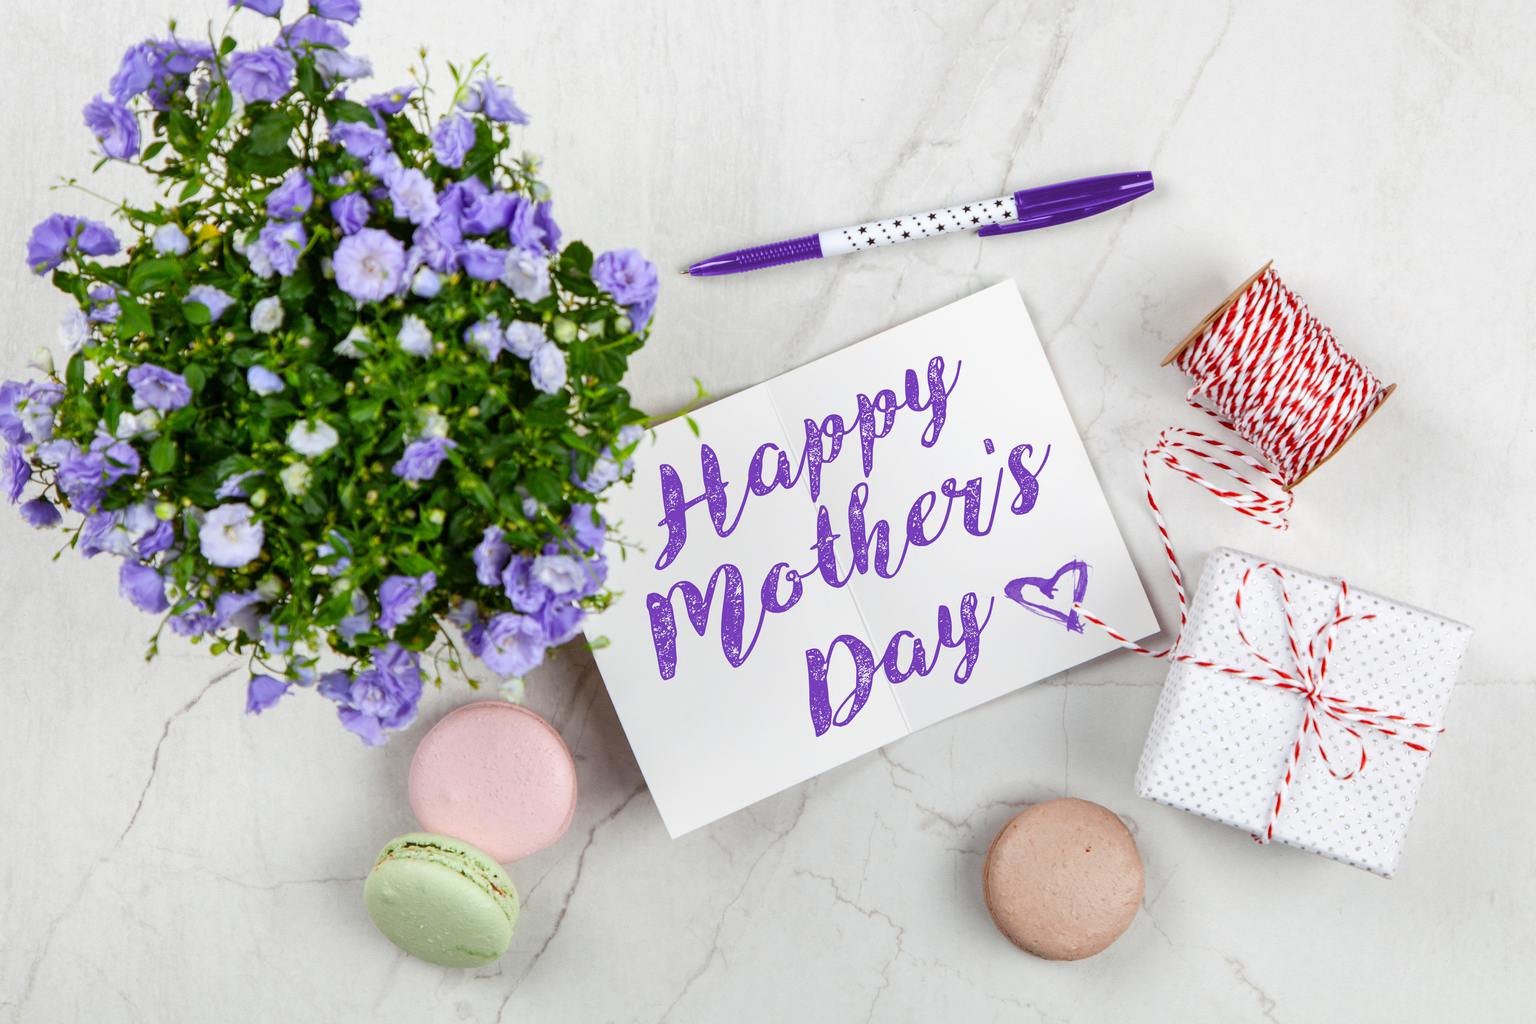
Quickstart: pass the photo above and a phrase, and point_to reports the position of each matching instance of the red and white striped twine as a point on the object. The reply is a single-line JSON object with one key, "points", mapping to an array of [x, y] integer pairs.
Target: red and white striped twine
{"points": [[1273, 375]]}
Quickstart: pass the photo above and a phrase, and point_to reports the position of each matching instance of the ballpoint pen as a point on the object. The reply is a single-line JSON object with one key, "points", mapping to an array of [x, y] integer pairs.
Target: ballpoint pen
{"points": [[1000, 215]]}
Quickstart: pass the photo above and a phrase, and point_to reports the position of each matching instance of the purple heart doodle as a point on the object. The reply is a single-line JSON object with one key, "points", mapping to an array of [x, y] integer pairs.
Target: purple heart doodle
{"points": [[1014, 589]]}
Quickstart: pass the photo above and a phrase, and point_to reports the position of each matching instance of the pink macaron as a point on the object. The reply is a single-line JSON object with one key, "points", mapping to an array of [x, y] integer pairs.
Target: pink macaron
{"points": [[496, 775]]}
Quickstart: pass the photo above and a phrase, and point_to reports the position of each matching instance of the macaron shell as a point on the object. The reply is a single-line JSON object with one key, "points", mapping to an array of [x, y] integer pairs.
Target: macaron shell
{"points": [[496, 775], [440, 905], [1063, 879]]}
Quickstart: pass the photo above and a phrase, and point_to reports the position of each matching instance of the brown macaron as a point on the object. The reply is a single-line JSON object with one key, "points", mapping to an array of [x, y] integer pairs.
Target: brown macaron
{"points": [[1063, 879]]}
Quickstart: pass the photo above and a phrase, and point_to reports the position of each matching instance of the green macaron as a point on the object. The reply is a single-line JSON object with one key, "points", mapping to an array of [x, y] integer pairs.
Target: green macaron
{"points": [[442, 900]]}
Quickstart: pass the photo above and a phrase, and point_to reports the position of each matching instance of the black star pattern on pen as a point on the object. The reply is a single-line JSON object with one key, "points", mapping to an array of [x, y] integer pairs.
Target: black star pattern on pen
{"points": [[966, 210], [941, 227], [975, 220], [932, 215], [862, 230], [997, 202], [869, 241], [1006, 215], [906, 234], [897, 223]]}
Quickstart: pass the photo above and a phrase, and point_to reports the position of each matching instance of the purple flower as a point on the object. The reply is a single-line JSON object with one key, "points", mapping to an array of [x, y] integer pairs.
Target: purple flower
{"points": [[351, 212], [264, 691], [422, 458], [238, 609], [271, 8], [412, 196], [631, 279], [491, 556], [487, 214], [40, 514], [391, 102], [379, 698], [26, 410], [562, 574], [264, 74], [360, 140], [438, 244], [452, 140], [156, 539], [560, 620], [458, 196], [53, 239], [400, 596], [115, 128], [523, 338], [487, 336], [527, 274], [280, 244], [158, 388], [526, 593], [494, 101], [195, 621], [13, 397], [215, 300], [143, 587], [169, 238], [14, 473], [104, 307], [546, 223], [513, 644], [135, 73], [587, 528], [291, 199], [263, 381], [338, 10], [312, 31], [231, 537], [369, 264], [523, 228], [547, 367], [482, 261]]}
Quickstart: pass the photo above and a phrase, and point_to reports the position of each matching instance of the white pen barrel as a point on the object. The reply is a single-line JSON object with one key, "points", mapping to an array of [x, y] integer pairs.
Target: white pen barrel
{"points": [[928, 224]]}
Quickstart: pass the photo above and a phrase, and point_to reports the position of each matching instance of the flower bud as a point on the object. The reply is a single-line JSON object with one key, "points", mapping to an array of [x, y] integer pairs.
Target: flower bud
{"points": [[564, 330], [42, 359], [165, 511]]}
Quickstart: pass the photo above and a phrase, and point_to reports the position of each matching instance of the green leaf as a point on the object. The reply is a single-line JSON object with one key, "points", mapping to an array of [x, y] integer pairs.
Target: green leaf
{"points": [[227, 46], [196, 313], [348, 110], [412, 563], [223, 106], [577, 257], [162, 454], [365, 411], [196, 377], [477, 490], [74, 373], [270, 130], [133, 319], [297, 286], [543, 484], [152, 275], [309, 80]]}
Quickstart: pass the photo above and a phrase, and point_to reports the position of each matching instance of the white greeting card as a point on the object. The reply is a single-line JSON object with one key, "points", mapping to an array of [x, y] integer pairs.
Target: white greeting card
{"points": [[851, 551]]}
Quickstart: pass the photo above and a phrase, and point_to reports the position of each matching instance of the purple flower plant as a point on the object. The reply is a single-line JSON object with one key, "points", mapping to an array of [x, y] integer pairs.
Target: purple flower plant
{"points": [[291, 199], [400, 596], [115, 128], [422, 458], [155, 387], [369, 264], [631, 279], [380, 698], [452, 140], [264, 74], [351, 212]]}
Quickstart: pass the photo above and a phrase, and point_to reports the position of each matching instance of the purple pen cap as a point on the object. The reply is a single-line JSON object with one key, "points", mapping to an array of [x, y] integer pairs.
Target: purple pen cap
{"points": [[1072, 200]]}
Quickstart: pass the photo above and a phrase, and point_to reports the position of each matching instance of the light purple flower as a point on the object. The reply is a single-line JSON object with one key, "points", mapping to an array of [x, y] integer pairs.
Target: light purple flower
{"points": [[369, 265], [262, 692], [482, 261], [485, 335], [360, 140], [631, 279], [523, 227], [292, 198], [314, 32], [135, 73], [115, 128], [491, 556], [523, 338], [337, 10], [57, 235], [422, 458], [562, 574], [513, 644], [169, 238], [391, 102], [351, 212], [156, 539], [438, 244], [157, 388], [400, 596], [487, 214], [560, 620], [587, 528], [452, 140], [104, 307], [40, 514], [527, 274], [494, 101], [358, 622], [412, 196], [281, 243], [547, 367], [545, 221], [382, 697], [14, 473], [264, 74], [231, 537], [215, 300], [426, 283], [526, 593], [263, 381], [271, 8], [238, 609], [143, 587]]}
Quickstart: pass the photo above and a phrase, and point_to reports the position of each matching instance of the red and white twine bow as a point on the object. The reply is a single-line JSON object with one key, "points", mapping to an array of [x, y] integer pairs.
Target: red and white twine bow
{"points": [[1271, 373]]}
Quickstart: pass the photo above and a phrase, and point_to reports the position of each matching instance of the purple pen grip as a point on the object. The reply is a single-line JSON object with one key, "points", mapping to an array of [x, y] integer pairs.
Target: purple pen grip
{"points": [[760, 256]]}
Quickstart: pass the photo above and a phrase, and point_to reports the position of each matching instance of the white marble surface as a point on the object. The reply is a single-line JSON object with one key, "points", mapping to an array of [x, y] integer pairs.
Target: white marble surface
{"points": [[168, 859]]}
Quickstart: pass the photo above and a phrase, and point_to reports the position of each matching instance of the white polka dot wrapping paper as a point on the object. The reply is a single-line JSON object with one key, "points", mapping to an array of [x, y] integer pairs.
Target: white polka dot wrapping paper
{"points": [[1220, 745]]}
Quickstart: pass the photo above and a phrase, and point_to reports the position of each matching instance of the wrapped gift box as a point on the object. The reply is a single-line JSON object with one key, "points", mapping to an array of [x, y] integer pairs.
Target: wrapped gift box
{"points": [[1220, 745]]}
